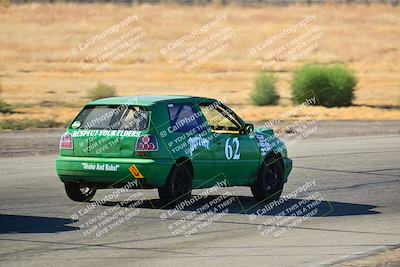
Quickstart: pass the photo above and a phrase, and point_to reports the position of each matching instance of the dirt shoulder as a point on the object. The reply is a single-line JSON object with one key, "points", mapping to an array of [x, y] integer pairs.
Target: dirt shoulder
{"points": [[45, 141], [388, 258]]}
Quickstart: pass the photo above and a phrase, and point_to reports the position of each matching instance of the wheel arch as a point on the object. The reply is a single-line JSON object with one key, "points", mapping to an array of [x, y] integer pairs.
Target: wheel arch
{"points": [[258, 188], [275, 157], [186, 161]]}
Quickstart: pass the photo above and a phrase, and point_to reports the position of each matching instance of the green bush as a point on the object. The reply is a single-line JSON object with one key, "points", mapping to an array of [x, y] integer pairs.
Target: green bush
{"points": [[101, 90], [5, 108], [264, 92], [333, 86]]}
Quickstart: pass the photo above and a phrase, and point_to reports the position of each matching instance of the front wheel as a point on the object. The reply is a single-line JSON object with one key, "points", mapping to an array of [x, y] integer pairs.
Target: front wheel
{"points": [[269, 183], [79, 193], [178, 186]]}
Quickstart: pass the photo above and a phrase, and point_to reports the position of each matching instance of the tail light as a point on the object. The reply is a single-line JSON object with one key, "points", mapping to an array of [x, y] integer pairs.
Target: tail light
{"points": [[146, 143], [66, 141]]}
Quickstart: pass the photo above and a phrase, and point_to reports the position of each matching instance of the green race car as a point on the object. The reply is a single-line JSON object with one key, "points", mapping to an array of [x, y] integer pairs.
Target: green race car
{"points": [[173, 143]]}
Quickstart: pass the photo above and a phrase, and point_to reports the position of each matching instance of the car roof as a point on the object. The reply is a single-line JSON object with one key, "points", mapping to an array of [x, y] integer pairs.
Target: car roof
{"points": [[149, 100]]}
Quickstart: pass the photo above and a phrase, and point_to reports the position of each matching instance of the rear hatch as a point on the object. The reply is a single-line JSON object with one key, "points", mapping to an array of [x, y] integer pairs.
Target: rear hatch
{"points": [[108, 130]]}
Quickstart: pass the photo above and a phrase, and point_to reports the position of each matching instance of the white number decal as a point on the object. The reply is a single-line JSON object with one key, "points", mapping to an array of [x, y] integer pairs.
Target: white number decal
{"points": [[229, 150]]}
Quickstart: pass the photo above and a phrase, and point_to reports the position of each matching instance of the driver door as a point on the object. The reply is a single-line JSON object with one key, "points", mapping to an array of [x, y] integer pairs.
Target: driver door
{"points": [[236, 154]]}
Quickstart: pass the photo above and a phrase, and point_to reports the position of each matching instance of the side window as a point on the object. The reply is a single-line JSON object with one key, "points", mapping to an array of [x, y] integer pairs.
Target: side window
{"points": [[183, 118], [220, 119]]}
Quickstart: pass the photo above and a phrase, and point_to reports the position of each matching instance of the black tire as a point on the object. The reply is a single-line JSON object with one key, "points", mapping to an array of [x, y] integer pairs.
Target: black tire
{"points": [[269, 183], [178, 185], [79, 193]]}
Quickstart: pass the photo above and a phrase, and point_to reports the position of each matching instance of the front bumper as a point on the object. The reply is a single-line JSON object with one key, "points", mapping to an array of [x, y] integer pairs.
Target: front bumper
{"points": [[287, 164], [112, 170]]}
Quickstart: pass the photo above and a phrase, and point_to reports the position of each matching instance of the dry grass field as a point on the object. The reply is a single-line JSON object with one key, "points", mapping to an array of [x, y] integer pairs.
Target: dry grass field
{"points": [[43, 80]]}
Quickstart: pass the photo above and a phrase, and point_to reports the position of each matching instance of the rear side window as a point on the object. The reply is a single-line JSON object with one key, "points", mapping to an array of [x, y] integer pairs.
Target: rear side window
{"points": [[112, 118], [183, 118]]}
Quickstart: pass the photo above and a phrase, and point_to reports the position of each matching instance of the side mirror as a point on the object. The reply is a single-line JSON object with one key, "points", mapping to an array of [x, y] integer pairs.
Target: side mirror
{"points": [[249, 127]]}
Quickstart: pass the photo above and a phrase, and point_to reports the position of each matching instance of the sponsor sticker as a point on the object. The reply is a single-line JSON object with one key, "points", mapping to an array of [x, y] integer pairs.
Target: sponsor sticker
{"points": [[135, 172], [111, 133], [198, 141], [100, 167], [264, 145]]}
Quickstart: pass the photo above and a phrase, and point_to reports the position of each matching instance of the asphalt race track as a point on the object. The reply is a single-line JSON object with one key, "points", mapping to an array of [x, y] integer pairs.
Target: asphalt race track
{"points": [[357, 180]]}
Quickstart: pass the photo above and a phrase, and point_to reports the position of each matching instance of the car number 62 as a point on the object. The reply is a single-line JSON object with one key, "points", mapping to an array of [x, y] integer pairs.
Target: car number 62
{"points": [[229, 148]]}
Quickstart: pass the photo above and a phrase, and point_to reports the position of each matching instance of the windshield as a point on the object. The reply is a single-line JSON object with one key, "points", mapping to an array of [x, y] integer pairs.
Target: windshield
{"points": [[112, 118]]}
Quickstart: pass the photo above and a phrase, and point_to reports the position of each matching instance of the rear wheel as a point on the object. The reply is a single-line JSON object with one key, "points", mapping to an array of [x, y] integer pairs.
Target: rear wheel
{"points": [[77, 192], [269, 183], [178, 186]]}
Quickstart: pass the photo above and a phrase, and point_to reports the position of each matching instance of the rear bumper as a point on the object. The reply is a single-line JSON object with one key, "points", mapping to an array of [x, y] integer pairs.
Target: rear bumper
{"points": [[112, 170], [287, 164]]}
